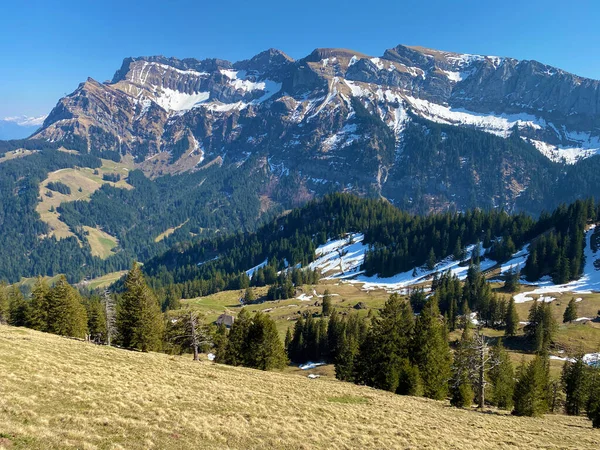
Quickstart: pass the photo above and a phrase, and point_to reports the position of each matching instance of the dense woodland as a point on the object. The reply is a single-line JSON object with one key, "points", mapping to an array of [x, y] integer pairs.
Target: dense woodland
{"points": [[397, 241]]}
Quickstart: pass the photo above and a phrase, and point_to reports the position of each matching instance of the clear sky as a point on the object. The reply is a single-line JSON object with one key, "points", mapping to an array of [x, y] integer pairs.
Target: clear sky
{"points": [[48, 47]]}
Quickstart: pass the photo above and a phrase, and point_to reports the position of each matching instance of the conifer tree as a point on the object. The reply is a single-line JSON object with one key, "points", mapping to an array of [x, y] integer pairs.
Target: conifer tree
{"points": [[38, 316], [511, 319], [571, 312], [220, 343], [502, 377], [593, 403], [96, 315], [265, 349], [531, 391], [139, 318], [387, 345], [326, 307], [575, 385], [431, 352], [66, 314], [4, 304], [542, 326], [288, 342], [249, 296], [345, 360], [335, 334], [18, 308], [461, 388], [237, 342]]}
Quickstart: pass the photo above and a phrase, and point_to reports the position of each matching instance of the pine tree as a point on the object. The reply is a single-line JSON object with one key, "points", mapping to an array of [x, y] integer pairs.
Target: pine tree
{"points": [[326, 303], [237, 342], [593, 404], [531, 391], [431, 259], [96, 315], [571, 312], [431, 352], [502, 378], [387, 345], [18, 308], [38, 317], [264, 350], [4, 305], [461, 388], [139, 318], [249, 296], [288, 342], [66, 314], [575, 385], [345, 361], [542, 326], [511, 319]]}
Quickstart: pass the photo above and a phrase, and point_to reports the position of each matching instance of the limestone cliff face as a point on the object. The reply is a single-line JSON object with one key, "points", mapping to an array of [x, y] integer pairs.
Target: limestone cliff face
{"points": [[337, 118]]}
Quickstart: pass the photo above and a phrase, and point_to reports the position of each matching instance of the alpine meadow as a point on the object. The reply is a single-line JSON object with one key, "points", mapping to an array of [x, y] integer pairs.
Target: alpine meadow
{"points": [[396, 246]]}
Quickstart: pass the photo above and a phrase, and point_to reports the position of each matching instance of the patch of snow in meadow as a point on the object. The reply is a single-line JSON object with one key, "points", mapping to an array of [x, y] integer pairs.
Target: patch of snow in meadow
{"points": [[590, 281], [341, 256]]}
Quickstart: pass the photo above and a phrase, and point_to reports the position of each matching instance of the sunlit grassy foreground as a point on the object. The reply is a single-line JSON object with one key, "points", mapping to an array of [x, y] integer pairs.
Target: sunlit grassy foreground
{"points": [[62, 393]]}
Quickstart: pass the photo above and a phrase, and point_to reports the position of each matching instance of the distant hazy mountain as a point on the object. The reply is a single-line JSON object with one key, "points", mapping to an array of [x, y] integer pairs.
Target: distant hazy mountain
{"points": [[19, 127]]}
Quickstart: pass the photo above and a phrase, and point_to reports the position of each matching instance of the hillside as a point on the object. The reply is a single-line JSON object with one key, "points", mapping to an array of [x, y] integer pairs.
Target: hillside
{"points": [[63, 393], [213, 147]]}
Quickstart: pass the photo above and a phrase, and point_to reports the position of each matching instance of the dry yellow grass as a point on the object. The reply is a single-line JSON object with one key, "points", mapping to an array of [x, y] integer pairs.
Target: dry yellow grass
{"points": [[165, 234], [62, 393], [77, 178], [102, 243], [19, 153], [104, 281]]}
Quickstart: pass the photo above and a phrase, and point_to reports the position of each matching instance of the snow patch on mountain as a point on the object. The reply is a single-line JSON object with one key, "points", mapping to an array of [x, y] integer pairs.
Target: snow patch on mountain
{"points": [[499, 125], [563, 154], [172, 100]]}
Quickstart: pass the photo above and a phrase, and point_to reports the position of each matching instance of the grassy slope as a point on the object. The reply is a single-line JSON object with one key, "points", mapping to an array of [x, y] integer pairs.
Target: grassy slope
{"points": [[63, 393], [78, 178]]}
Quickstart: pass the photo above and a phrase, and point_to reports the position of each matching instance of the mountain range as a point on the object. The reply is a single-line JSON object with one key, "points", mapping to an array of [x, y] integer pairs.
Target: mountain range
{"points": [[212, 146], [339, 119]]}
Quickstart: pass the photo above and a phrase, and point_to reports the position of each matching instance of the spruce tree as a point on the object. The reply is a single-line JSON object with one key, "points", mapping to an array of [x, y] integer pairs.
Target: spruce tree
{"points": [[237, 342], [511, 320], [96, 314], [345, 360], [531, 391], [4, 304], [139, 318], [502, 377], [431, 352], [66, 314], [387, 345], [593, 403], [326, 307], [264, 348], [249, 296], [461, 388], [575, 385], [571, 312], [18, 308], [38, 317]]}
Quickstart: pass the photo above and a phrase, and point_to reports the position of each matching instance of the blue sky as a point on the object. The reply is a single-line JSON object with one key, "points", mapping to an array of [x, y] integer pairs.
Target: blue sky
{"points": [[48, 47]]}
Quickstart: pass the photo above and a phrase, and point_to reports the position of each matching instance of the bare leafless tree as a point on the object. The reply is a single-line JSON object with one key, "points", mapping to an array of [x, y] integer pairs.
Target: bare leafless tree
{"points": [[111, 315], [189, 330], [482, 362]]}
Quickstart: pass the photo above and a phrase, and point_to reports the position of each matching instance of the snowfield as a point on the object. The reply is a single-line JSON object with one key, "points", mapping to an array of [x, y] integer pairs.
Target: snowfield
{"points": [[589, 282]]}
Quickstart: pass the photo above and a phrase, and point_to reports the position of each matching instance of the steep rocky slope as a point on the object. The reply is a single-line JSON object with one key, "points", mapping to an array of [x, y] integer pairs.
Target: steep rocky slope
{"points": [[341, 120]]}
